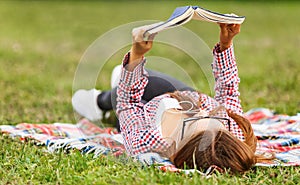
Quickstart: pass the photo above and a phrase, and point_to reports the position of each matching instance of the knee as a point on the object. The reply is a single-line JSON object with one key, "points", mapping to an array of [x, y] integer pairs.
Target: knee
{"points": [[115, 76]]}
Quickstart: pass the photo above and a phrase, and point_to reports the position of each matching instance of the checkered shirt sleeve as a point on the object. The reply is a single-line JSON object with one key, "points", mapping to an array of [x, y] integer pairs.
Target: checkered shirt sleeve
{"points": [[226, 85], [136, 126], [227, 80]]}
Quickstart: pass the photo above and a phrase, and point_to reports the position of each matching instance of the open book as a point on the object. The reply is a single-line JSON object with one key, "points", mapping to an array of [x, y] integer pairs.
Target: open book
{"points": [[182, 15]]}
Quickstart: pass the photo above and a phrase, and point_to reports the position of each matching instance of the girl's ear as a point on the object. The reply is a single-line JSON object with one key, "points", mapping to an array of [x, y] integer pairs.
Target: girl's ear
{"points": [[245, 125]]}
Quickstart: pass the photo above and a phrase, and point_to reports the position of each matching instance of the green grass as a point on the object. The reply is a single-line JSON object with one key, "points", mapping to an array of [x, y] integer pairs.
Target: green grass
{"points": [[42, 42]]}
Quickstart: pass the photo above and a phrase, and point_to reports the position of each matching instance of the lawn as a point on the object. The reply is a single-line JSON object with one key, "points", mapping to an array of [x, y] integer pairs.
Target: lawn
{"points": [[43, 42]]}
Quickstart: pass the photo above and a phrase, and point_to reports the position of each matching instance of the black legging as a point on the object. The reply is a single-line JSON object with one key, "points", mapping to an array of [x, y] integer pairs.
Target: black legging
{"points": [[158, 84]]}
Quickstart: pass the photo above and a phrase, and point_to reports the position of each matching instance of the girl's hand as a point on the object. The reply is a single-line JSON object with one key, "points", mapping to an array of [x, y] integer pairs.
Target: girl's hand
{"points": [[227, 32], [140, 46]]}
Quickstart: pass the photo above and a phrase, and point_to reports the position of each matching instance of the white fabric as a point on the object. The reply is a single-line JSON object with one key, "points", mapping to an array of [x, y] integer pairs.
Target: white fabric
{"points": [[165, 104]]}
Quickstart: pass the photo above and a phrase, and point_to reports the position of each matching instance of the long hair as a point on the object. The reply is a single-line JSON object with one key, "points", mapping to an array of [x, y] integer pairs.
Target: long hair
{"points": [[218, 147]]}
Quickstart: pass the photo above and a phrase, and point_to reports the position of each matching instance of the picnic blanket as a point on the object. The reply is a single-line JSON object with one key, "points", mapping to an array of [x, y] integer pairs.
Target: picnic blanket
{"points": [[276, 133]]}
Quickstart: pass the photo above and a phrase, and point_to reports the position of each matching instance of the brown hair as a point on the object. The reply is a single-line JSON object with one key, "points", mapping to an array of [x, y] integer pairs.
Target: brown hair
{"points": [[218, 147]]}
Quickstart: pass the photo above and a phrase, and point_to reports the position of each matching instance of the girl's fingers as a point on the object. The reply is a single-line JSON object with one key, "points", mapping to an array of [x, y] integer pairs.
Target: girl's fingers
{"points": [[137, 35], [151, 37]]}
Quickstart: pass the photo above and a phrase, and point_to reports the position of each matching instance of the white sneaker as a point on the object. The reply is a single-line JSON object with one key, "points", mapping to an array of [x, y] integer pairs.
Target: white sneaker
{"points": [[85, 103]]}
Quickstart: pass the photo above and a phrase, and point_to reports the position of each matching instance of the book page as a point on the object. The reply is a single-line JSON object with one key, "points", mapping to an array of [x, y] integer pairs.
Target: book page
{"points": [[210, 16]]}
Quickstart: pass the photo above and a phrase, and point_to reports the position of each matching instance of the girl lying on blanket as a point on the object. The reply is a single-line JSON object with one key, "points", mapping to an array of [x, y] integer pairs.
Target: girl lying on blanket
{"points": [[158, 113]]}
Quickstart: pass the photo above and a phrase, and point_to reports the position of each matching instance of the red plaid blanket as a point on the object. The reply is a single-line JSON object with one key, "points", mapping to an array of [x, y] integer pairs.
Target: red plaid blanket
{"points": [[278, 134]]}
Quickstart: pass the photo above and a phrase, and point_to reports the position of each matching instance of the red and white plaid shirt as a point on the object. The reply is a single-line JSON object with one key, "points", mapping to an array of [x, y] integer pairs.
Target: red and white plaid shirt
{"points": [[137, 120]]}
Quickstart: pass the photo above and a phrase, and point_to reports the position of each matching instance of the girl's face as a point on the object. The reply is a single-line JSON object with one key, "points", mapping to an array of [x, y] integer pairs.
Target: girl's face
{"points": [[174, 128]]}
